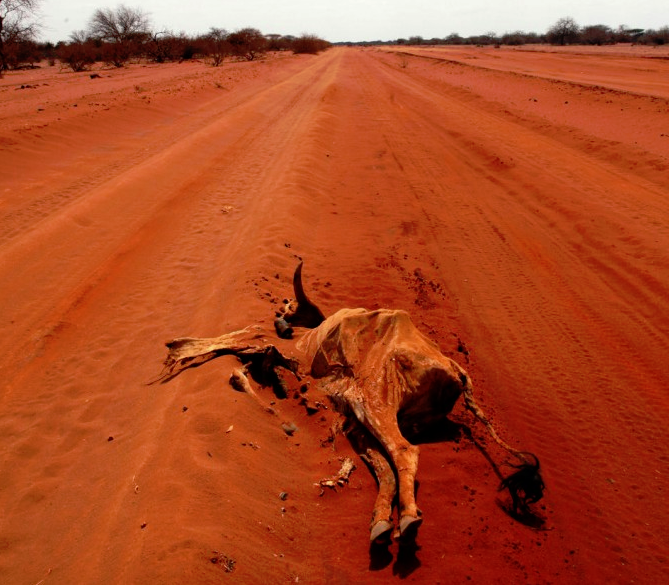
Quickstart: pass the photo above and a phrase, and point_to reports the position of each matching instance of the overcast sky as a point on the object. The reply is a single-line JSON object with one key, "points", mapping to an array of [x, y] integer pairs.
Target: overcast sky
{"points": [[358, 20]]}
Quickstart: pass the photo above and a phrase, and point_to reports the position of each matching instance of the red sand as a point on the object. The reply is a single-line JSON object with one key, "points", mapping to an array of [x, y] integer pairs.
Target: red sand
{"points": [[517, 201]]}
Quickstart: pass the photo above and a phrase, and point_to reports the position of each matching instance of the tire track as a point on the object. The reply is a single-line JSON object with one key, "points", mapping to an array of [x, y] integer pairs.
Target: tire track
{"points": [[537, 285], [398, 193], [115, 212], [155, 276], [162, 127]]}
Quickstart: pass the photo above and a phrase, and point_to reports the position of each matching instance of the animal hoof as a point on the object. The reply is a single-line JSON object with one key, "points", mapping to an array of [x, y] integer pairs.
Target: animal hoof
{"points": [[409, 527], [380, 532], [283, 328]]}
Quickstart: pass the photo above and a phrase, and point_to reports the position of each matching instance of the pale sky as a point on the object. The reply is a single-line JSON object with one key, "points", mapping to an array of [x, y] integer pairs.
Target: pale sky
{"points": [[359, 20]]}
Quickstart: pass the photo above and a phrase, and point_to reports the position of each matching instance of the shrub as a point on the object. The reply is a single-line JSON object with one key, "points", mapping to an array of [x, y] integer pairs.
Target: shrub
{"points": [[279, 42], [248, 43], [309, 44], [166, 46], [115, 53], [656, 37], [78, 55], [597, 34], [216, 45], [514, 38], [22, 54]]}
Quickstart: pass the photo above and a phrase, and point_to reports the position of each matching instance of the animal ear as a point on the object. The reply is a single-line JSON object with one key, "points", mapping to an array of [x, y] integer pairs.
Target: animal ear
{"points": [[306, 314]]}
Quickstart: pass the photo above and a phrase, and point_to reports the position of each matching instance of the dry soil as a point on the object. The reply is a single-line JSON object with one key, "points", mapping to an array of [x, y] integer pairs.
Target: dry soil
{"points": [[515, 202]]}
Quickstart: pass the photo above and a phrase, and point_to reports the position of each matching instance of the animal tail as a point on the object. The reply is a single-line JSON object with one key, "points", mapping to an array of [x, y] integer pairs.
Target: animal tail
{"points": [[525, 484], [475, 409]]}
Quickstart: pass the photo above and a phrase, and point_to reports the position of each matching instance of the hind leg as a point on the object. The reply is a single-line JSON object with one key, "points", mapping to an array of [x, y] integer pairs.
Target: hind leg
{"points": [[404, 457], [381, 525]]}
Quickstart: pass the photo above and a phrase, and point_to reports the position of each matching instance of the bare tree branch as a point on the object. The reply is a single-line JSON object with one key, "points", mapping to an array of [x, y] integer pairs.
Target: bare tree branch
{"points": [[18, 23], [120, 25]]}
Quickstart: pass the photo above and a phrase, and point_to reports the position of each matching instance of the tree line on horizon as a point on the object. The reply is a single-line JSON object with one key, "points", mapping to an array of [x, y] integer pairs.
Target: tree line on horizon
{"points": [[116, 35], [564, 32]]}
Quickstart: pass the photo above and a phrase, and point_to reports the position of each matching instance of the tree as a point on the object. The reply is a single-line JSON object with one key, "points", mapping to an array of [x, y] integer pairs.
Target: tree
{"points": [[454, 39], [563, 32], [18, 24], [122, 28], [248, 43], [120, 25], [217, 45], [79, 53], [597, 34]]}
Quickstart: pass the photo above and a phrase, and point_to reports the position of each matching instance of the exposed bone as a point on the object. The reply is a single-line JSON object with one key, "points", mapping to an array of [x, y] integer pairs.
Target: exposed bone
{"points": [[186, 352], [261, 361], [342, 476], [240, 382]]}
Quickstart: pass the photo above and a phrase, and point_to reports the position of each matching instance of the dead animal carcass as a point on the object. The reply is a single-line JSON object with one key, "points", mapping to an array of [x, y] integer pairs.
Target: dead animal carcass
{"points": [[379, 370]]}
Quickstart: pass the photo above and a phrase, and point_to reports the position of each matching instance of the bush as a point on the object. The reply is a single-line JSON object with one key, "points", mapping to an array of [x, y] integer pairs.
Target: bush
{"points": [[78, 55], [166, 46], [279, 42], [656, 37], [597, 34], [22, 54], [216, 45], [248, 43], [513, 38], [115, 53], [310, 44]]}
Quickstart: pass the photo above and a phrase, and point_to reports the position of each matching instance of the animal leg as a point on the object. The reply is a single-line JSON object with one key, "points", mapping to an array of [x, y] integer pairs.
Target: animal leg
{"points": [[404, 456], [369, 450], [382, 524]]}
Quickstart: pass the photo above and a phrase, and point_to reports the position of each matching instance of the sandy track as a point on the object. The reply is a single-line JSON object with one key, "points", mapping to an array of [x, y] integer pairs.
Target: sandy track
{"points": [[635, 69], [533, 234]]}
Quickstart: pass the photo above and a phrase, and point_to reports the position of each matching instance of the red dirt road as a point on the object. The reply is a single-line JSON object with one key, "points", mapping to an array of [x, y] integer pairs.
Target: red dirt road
{"points": [[516, 204]]}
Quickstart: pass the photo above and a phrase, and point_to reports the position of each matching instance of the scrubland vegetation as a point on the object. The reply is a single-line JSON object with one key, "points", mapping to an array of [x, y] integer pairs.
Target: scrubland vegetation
{"points": [[565, 31], [117, 35]]}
